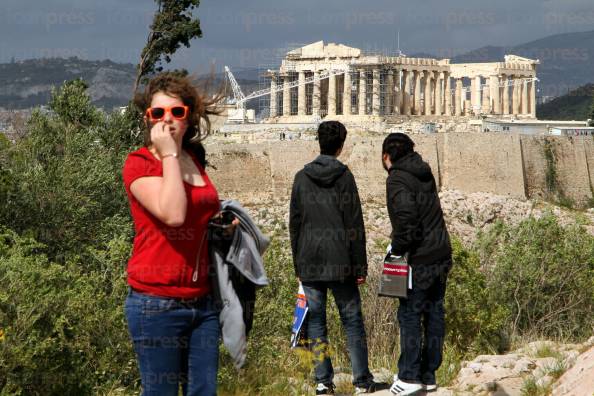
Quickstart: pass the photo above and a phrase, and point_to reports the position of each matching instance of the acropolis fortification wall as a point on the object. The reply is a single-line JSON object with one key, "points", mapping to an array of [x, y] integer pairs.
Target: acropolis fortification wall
{"points": [[518, 166]]}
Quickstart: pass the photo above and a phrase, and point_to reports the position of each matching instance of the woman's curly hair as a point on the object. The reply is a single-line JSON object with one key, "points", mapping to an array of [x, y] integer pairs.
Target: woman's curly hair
{"points": [[200, 108]]}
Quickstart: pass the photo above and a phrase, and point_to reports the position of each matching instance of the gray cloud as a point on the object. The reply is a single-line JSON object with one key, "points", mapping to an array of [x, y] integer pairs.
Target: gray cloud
{"points": [[258, 32]]}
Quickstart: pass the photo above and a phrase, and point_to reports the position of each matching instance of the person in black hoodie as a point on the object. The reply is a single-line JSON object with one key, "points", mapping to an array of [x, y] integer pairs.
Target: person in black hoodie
{"points": [[418, 230], [328, 244]]}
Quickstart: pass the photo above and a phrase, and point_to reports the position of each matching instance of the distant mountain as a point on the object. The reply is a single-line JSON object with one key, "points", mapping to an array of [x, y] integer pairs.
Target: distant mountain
{"points": [[576, 105], [566, 64], [566, 60], [26, 84]]}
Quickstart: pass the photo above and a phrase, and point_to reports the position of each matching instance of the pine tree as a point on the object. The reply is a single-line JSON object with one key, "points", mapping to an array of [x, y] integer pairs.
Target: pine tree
{"points": [[173, 25]]}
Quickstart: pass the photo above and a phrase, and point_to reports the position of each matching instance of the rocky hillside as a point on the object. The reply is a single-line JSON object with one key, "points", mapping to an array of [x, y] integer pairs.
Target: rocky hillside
{"points": [[26, 84], [536, 369], [576, 105]]}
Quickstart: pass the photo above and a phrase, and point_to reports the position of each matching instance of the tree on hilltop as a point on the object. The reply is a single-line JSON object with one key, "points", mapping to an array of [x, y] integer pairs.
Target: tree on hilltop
{"points": [[173, 25]]}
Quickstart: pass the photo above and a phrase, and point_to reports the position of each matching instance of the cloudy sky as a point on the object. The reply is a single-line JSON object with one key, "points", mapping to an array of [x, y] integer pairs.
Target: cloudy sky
{"points": [[256, 33]]}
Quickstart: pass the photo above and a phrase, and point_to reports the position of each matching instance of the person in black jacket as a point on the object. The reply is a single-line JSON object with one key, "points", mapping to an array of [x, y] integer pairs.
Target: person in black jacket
{"points": [[418, 230], [328, 244]]}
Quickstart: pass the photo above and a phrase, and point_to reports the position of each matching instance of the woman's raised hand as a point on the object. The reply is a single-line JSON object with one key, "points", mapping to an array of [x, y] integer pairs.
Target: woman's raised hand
{"points": [[162, 140]]}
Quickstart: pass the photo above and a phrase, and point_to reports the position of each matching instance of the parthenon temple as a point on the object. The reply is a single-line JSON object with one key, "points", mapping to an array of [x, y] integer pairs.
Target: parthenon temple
{"points": [[320, 80]]}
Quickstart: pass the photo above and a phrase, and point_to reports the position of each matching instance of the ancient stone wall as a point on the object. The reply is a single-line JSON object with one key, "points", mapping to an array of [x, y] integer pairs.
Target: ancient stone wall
{"points": [[535, 166], [483, 163], [572, 177], [503, 164]]}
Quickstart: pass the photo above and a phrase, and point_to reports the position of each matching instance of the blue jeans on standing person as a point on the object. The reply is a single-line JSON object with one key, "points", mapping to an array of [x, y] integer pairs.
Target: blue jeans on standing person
{"points": [[176, 343], [348, 301], [421, 354]]}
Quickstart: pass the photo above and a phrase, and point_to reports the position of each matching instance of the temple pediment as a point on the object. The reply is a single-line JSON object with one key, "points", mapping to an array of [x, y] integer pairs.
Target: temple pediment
{"points": [[519, 59], [319, 50]]}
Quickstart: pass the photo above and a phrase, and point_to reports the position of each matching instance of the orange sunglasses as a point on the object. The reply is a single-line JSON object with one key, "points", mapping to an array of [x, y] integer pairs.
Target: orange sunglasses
{"points": [[158, 113]]}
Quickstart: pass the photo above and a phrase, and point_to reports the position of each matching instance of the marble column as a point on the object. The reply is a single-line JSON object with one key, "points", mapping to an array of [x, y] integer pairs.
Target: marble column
{"points": [[486, 101], [389, 99], [468, 107], [533, 98], [515, 96], [286, 96], [524, 86], [494, 91], [505, 94], [363, 92], [315, 100], [458, 98], [417, 99], [406, 92], [398, 83], [273, 92], [301, 94], [438, 102], [448, 94], [475, 94], [332, 95], [376, 93], [427, 98], [346, 94]]}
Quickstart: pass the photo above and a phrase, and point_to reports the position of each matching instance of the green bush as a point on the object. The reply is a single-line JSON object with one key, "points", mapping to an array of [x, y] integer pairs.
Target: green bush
{"points": [[64, 331], [474, 323], [543, 273], [271, 366], [61, 183]]}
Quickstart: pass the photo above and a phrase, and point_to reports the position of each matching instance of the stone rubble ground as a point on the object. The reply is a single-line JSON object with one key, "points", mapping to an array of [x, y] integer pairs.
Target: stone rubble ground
{"points": [[505, 375], [465, 214]]}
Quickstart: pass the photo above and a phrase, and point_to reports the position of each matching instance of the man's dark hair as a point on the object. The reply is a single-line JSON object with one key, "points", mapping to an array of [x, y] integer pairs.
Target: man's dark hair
{"points": [[397, 145], [331, 136]]}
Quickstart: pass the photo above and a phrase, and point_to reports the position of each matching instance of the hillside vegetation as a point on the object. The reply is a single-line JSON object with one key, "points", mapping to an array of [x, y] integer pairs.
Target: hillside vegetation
{"points": [[576, 105], [28, 83]]}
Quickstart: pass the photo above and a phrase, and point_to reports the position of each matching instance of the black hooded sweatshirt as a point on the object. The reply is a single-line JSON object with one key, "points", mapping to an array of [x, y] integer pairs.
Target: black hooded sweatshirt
{"points": [[326, 223], [418, 227]]}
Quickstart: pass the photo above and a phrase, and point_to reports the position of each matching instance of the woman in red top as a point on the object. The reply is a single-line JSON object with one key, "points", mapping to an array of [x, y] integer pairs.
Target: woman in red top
{"points": [[171, 315]]}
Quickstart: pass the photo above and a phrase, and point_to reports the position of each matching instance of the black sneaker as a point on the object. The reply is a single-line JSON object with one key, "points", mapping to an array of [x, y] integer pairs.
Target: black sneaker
{"points": [[372, 387], [325, 389]]}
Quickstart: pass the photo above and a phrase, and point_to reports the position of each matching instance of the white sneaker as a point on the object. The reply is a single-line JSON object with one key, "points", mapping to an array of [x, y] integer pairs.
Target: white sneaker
{"points": [[426, 387], [401, 388], [325, 389]]}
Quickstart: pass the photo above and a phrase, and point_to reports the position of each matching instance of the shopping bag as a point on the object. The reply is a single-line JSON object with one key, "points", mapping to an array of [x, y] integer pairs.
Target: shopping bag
{"points": [[395, 277], [299, 329]]}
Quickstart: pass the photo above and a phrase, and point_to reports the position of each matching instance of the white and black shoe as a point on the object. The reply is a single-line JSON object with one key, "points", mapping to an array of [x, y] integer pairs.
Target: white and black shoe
{"points": [[401, 388], [429, 387], [325, 389], [426, 387]]}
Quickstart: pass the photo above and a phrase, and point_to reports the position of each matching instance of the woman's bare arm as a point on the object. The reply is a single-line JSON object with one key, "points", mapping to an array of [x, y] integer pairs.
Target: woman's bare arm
{"points": [[164, 197]]}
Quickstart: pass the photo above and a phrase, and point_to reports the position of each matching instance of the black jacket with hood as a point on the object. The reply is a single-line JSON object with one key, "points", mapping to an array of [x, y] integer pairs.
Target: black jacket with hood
{"points": [[326, 223], [418, 227]]}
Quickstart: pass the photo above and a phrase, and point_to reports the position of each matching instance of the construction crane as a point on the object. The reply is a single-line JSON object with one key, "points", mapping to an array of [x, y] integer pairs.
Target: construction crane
{"points": [[239, 99], [239, 114], [238, 96]]}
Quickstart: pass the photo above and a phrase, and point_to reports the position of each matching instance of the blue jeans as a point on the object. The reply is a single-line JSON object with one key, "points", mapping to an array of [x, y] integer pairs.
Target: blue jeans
{"points": [[176, 343], [348, 301], [421, 354]]}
